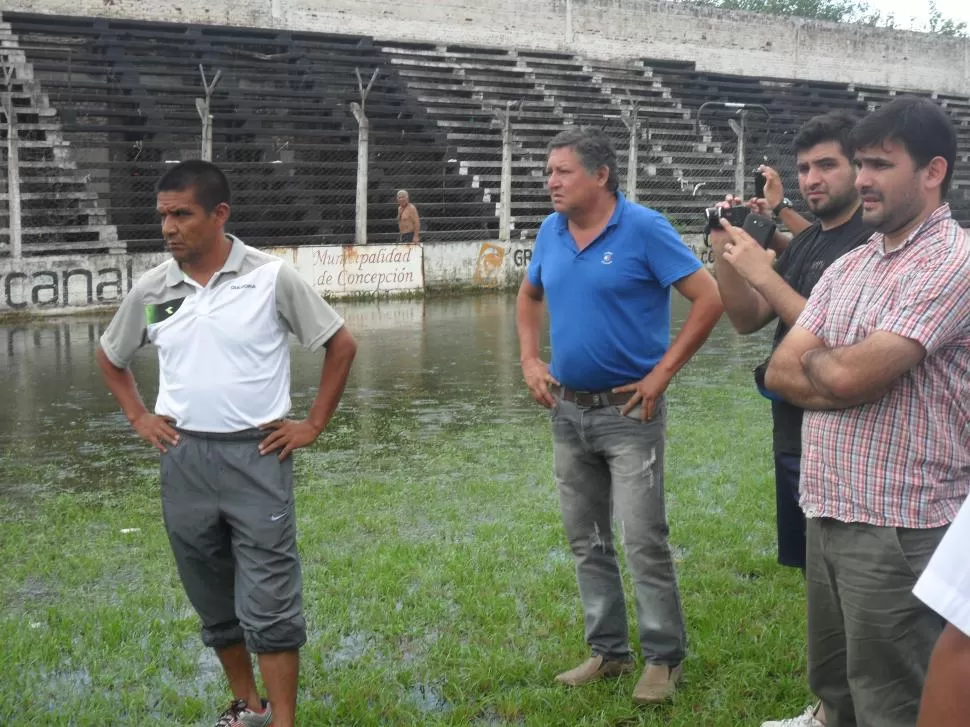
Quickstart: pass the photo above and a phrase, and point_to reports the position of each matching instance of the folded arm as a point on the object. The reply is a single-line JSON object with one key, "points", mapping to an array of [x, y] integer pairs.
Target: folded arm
{"points": [[811, 375]]}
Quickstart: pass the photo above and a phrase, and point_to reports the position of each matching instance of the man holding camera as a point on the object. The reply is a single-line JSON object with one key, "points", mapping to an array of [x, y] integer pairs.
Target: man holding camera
{"points": [[755, 291]]}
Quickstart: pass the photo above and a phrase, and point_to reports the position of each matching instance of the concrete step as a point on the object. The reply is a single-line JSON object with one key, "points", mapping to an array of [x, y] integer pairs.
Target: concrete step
{"points": [[66, 229]]}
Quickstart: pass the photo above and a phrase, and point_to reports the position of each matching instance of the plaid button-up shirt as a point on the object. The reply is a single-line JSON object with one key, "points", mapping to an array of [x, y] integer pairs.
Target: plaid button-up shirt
{"points": [[904, 460]]}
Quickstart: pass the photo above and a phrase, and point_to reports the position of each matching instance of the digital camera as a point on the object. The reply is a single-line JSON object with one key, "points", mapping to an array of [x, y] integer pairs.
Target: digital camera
{"points": [[735, 215], [761, 228]]}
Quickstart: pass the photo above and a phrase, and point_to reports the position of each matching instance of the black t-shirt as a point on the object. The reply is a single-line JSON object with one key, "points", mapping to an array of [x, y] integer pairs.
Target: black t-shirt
{"points": [[801, 265]]}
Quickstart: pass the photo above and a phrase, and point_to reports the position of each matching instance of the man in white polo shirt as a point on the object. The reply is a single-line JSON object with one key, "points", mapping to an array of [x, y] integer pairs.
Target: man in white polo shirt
{"points": [[220, 313], [945, 587]]}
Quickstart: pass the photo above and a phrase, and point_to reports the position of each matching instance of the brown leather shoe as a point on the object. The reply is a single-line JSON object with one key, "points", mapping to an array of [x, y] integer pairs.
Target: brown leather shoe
{"points": [[593, 669], [657, 684]]}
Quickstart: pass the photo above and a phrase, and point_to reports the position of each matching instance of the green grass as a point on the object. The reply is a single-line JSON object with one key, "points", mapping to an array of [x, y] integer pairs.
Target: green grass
{"points": [[438, 588]]}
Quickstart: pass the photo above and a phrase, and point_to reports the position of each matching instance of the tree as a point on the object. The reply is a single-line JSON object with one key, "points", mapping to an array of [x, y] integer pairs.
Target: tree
{"points": [[945, 26], [840, 11]]}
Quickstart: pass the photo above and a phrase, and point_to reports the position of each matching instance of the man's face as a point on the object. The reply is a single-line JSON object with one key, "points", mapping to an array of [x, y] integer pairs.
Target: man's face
{"points": [[402, 200], [826, 178], [188, 230], [570, 185], [890, 185]]}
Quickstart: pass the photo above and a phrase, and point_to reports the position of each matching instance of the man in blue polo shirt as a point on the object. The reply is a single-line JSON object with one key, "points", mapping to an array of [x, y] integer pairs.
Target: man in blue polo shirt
{"points": [[606, 266]]}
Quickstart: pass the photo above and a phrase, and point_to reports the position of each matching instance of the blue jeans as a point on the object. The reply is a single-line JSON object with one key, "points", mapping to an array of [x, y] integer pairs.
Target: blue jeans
{"points": [[790, 520], [604, 463]]}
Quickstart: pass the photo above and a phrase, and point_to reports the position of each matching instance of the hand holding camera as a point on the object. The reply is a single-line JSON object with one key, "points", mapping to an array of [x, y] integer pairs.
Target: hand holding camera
{"points": [[753, 217], [772, 190], [759, 227], [712, 216], [745, 252]]}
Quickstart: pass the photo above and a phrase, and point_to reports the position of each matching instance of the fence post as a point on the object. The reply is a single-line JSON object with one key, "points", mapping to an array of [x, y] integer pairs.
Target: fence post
{"points": [[205, 113], [505, 189], [632, 120], [13, 165], [505, 194], [363, 138], [738, 128]]}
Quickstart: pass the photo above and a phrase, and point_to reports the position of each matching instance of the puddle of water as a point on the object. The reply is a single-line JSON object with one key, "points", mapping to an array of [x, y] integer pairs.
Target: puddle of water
{"points": [[208, 670], [352, 648], [427, 698], [422, 367], [558, 558], [59, 683]]}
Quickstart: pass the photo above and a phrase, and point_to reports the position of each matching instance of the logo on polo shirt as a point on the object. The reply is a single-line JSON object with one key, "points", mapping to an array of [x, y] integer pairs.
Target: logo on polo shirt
{"points": [[158, 312], [241, 287], [607, 258]]}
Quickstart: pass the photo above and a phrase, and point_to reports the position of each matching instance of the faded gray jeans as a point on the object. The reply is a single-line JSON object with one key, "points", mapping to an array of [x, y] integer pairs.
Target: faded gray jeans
{"points": [[605, 464]]}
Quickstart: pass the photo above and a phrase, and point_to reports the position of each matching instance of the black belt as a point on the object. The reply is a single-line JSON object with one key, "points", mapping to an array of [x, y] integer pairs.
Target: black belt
{"points": [[592, 399]]}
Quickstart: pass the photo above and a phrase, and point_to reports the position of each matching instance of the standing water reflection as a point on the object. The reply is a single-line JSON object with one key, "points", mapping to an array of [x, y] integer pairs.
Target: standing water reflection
{"points": [[422, 365]]}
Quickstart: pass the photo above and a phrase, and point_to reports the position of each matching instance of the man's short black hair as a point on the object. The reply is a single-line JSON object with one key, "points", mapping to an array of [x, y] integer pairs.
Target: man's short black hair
{"points": [[919, 125], [594, 148], [833, 126], [206, 179]]}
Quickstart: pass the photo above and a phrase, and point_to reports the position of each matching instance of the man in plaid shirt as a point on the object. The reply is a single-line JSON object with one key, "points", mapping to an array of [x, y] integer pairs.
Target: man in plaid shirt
{"points": [[880, 357]]}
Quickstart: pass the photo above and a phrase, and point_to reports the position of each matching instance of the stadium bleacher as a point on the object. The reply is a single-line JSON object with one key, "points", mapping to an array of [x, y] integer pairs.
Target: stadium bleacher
{"points": [[103, 106]]}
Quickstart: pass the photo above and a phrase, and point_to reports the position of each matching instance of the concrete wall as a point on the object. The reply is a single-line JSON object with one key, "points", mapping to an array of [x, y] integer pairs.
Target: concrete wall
{"points": [[728, 42], [75, 284], [69, 282], [475, 264]]}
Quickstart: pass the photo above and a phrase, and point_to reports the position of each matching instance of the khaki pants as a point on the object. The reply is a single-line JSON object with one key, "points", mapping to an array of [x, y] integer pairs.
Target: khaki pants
{"points": [[869, 637]]}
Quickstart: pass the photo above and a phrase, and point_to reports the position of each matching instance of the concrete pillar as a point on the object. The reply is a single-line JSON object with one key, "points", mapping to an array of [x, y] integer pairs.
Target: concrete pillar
{"points": [[738, 128], [13, 178], [633, 125], [505, 203], [363, 135]]}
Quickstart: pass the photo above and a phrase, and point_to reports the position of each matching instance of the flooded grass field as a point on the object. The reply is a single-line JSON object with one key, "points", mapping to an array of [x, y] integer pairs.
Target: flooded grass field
{"points": [[439, 589]]}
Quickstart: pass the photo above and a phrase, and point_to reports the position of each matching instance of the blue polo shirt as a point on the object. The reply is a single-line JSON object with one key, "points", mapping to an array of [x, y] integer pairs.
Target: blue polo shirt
{"points": [[609, 304]]}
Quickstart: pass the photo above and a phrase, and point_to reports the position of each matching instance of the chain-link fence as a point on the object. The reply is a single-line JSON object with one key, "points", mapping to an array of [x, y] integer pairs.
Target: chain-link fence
{"points": [[90, 148], [97, 111], [318, 133]]}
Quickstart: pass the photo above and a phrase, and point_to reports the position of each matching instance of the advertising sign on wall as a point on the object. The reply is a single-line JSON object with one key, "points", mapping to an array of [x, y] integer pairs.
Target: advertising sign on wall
{"points": [[358, 269]]}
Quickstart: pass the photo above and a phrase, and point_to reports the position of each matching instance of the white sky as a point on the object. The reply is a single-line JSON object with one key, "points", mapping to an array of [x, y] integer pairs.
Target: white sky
{"points": [[914, 13]]}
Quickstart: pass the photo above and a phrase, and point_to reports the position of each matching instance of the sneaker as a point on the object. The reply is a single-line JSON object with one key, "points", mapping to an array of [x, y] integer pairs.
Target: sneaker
{"points": [[657, 684], [808, 718], [240, 715], [593, 669]]}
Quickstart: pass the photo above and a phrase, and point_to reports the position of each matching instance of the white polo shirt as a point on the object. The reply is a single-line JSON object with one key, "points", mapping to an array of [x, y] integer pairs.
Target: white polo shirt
{"points": [[945, 584], [223, 349]]}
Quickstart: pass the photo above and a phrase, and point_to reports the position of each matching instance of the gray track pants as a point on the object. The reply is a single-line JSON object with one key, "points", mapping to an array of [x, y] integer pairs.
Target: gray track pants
{"points": [[232, 526]]}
